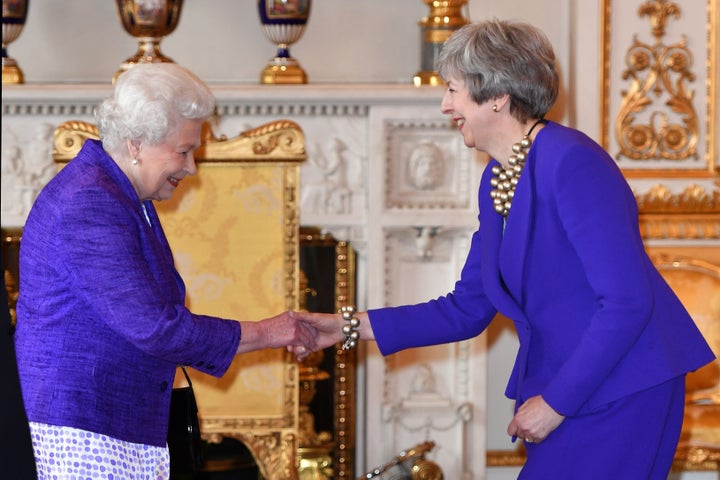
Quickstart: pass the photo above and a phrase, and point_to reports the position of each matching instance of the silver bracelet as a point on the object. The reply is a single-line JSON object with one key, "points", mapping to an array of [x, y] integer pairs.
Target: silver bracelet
{"points": [[350, 329]]}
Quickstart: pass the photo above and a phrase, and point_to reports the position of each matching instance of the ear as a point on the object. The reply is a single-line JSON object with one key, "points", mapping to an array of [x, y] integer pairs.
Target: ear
{"points": [[133, 147], [501, 101]]}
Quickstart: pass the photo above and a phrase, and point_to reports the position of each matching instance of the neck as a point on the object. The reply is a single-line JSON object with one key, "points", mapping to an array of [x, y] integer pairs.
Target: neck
{"points": [[534, 127], [515, 133]]}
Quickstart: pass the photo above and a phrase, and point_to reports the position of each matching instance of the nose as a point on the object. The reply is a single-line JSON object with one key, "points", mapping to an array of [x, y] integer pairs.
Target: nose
{"points": [[445, 105], [190, 166]]}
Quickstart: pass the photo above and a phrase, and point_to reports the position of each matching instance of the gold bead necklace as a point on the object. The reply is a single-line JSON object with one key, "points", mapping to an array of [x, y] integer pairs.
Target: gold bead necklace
{"points": [[505, 180]]}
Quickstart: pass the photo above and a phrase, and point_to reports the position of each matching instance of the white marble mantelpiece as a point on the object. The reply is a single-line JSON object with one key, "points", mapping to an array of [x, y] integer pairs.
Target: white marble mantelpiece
{"points": [[325, 112]]}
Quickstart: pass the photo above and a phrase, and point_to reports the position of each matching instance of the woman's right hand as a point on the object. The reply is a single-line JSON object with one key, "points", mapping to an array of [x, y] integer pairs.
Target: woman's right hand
{"points": [[329, 328]]}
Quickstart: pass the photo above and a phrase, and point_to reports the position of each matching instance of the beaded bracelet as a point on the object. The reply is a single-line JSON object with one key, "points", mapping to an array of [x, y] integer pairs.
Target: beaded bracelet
{"points": [[350, 329]]}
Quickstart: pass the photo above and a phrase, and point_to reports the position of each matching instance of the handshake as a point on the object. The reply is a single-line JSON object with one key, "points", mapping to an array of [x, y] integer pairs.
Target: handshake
{"points": [[303, 333]]}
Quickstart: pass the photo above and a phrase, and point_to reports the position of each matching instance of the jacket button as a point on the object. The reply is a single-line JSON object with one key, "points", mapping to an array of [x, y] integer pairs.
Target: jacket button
{"points": [[163, 386], [211, 367], [200, 363]]}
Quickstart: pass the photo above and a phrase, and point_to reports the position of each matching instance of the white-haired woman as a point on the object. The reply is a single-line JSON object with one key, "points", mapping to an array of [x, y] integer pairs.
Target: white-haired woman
{"points": [[101, 315]]}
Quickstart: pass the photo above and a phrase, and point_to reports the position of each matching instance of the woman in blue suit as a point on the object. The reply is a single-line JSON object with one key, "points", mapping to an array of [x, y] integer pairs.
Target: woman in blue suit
{"points": [[604, 343]]}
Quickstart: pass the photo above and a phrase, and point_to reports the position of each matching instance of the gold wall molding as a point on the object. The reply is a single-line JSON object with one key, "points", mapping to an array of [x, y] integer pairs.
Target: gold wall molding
{"points": [[664, 102]]}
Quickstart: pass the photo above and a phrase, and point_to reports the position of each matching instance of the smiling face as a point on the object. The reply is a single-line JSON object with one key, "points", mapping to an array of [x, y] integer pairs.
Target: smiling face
{"points": [[473, 120], [161, 167]]}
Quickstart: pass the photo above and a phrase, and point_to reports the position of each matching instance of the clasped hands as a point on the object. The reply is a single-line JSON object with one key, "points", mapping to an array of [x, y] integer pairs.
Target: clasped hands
{"points": [[302, 333]]}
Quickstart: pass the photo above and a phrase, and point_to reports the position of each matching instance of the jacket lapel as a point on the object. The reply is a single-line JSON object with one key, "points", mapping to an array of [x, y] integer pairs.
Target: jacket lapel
{"points": [[494, 250], [514, 245]]}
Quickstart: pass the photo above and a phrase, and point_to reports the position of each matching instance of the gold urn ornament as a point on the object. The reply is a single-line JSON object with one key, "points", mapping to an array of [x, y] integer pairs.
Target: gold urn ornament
{"points": [[444, 18], [148, 21]]}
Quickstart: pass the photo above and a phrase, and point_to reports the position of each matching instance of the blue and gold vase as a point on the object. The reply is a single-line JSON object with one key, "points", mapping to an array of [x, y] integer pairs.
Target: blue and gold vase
{"points": [[284, 23], [14, 15]]}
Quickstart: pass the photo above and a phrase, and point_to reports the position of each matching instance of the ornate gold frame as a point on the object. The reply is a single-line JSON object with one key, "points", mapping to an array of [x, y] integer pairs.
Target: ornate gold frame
{"points": [[635, 99], [341, 362]]}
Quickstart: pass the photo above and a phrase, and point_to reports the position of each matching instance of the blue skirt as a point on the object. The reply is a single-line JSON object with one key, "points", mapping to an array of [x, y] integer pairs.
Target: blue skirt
{"points": [[633, 438]]}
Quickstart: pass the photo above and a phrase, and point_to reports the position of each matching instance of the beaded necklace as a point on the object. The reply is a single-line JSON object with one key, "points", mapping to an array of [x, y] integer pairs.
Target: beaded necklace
{"points": [[505, 180]]}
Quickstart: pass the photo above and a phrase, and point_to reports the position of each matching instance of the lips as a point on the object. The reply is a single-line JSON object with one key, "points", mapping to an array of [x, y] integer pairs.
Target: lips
{"points": [[460, 122], [173, 181]]}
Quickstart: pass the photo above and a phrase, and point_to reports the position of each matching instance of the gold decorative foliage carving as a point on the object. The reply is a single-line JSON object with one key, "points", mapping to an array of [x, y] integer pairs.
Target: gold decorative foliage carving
{"points": [[694, 213], [659, 99], [694, 199], [279, 140], [696, 459], [69, 138], [655, 72], [273, 452]]}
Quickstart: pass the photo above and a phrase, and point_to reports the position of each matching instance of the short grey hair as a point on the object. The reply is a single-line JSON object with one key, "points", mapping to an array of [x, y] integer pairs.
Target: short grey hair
{"points": [[498, 57], [150, 100]]}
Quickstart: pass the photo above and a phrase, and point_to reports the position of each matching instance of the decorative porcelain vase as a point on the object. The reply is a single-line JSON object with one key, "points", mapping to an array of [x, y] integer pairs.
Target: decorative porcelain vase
{"points": [[444, 18], [14, 15], [284, 23], [148, 21]]}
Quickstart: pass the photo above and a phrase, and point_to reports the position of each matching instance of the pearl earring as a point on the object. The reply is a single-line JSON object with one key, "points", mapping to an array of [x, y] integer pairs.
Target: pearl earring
{"points": [[495, 108], [135, 161]]}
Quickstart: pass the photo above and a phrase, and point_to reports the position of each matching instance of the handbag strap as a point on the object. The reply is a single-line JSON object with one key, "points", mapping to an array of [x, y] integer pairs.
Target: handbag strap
{"points": [[187, 377]]}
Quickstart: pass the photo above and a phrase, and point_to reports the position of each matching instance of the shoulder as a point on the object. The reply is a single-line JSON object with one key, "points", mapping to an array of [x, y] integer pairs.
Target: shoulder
{"points": [[562, 138], [558, 146]]}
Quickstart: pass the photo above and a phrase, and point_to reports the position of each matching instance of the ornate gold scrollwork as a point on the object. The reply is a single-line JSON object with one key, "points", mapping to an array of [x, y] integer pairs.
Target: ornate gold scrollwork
{"points": [[662, 70]]}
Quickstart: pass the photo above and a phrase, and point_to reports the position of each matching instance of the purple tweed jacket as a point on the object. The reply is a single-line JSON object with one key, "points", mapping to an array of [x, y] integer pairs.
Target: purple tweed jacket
{"points": [[595, 319], [102, 322]]}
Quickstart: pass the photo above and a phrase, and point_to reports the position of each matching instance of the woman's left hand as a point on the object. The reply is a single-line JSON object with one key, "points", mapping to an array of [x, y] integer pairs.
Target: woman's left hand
{"points": [[534, 420]]}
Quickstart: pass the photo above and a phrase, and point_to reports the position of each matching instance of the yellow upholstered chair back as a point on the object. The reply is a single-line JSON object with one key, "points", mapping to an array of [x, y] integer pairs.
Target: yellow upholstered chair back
{"points": [[697, 283], [233, 229]]}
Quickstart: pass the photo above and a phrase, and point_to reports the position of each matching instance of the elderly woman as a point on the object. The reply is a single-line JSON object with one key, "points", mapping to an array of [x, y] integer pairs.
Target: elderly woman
{"points": [[604, 343], [101, 316]]}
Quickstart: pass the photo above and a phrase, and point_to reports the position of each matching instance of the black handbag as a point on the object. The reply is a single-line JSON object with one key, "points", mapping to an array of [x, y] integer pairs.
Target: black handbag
{"points": [[183, 438]]}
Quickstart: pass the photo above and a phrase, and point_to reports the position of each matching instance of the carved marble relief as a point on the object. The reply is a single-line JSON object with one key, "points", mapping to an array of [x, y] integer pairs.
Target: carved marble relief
{"points": [[26, 167], [427, 166], [332, 192]]}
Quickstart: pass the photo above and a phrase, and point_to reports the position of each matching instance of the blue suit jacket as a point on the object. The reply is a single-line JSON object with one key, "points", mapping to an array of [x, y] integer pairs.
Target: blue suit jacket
{"points": [[595, 319], [102, 323]]}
